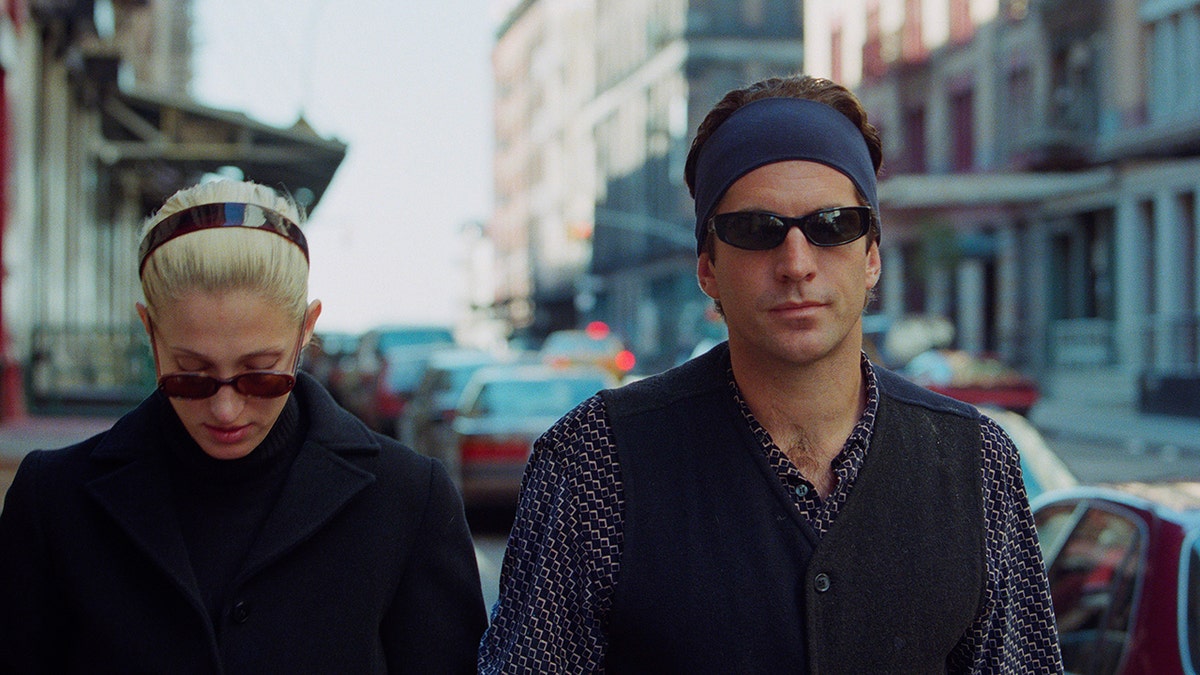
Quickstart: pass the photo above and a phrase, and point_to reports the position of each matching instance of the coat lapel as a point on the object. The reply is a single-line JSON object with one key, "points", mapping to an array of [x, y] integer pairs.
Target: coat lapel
{"points": [[136, 493], [321, 482], [136, 496], [318, 486]]}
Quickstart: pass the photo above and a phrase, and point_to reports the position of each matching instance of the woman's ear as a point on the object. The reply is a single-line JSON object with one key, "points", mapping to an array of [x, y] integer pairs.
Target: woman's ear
{"points": [[144, 315], [310, 319]]}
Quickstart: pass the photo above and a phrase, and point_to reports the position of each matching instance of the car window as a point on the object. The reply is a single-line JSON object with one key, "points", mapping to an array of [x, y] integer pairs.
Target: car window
{"points": [[1053, 523], [579, 343], [1093, 576], [414, 336], [529, 398], [1191, 625]]}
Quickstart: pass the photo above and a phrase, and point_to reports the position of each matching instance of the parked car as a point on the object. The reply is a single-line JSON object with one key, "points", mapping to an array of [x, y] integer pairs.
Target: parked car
{"points": [[595, 345], [502, 411], [380, 378], [328, 357], [977, 379], [425, 425], [919, 348], [1124, 568], [1041, 469]]}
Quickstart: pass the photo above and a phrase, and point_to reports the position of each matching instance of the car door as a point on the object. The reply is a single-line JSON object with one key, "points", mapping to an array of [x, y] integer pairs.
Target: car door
{"points": [[1095, 554]]}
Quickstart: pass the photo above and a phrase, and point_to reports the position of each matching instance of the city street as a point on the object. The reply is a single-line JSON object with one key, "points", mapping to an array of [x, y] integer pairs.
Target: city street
{"points": [[1090, 461]]}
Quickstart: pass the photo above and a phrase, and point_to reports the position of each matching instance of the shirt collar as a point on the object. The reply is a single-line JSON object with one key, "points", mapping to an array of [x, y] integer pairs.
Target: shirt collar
{"points": [[850, 459]]}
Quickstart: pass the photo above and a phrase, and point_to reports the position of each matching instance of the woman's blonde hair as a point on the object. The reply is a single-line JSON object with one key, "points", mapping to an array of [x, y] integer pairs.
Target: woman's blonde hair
{"points": [[227, 258]]}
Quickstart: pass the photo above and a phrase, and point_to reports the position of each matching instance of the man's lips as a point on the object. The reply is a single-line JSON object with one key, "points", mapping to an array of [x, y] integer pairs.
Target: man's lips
{"points": [[796, 307]]}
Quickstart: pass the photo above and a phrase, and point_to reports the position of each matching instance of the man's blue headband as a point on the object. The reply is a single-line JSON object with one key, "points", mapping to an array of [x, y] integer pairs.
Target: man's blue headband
{"points": [[774, 130]]}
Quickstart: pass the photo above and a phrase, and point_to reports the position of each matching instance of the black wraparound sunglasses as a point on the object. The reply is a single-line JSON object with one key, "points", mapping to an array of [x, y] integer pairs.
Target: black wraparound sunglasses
{"points": [[760, 231]]}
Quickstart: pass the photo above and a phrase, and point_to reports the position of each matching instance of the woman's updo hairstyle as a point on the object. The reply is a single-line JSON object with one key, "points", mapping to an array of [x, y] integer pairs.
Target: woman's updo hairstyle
{"points": [[227, 258]]}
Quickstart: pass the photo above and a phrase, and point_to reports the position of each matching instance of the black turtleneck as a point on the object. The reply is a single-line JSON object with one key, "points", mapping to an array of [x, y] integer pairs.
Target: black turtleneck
{"points": [[222, 504]]}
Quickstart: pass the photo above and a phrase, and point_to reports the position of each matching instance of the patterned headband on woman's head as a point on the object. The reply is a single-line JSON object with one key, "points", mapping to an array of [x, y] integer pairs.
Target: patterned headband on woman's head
{"points": [[223, 214], [773, 130]]}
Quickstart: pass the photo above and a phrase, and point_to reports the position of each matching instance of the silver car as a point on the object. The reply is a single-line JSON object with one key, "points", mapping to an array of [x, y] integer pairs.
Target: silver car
{"points": [[502, 412]]}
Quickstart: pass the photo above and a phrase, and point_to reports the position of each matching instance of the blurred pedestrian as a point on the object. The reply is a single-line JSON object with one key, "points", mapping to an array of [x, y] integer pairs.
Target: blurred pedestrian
{"points": [[237, 521], [779, 503]]}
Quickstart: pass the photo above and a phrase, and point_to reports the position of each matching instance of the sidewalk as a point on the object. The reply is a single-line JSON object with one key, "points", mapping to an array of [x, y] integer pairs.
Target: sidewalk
{"points": [[1120, 425], [19, 437]]}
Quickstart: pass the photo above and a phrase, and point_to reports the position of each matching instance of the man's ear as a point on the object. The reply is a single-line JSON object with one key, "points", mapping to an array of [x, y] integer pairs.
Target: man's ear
{"points": [[706, 277], [874, 265]]}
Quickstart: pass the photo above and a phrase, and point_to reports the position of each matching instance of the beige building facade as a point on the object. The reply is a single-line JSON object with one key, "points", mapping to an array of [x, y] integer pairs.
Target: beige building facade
{"points": [[596, 104], [1040, 184], [101, 132]]}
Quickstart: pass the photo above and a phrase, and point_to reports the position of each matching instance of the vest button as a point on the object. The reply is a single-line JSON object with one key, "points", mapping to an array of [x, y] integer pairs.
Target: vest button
{"points": [[821, 582], [241, 611]]}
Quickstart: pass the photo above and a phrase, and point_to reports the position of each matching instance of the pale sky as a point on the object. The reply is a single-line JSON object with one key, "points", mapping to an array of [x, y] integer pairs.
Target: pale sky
{"points": [[407, 85]]}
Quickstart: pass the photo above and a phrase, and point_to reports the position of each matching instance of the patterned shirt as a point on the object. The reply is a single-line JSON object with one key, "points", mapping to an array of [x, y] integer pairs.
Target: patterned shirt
{"points": [[564, 552]]}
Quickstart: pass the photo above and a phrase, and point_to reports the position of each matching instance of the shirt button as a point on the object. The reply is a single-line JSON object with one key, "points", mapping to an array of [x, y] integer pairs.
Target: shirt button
{"points": [[241, 611], [821, 582], [802, 491]]}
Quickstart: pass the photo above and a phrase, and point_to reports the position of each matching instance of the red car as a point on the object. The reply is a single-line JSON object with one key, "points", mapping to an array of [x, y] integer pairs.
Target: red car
{"points": [[1124, 569], [980, 380]]}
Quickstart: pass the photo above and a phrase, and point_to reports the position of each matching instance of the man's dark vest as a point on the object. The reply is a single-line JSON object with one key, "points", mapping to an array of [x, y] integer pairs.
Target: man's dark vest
{"points": [[719, 572]]}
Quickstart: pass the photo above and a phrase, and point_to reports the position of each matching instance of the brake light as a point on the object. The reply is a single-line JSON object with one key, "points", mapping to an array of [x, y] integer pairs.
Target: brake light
{"points": [[625, 360], [389, 404], [597, 330], [490, 449]]}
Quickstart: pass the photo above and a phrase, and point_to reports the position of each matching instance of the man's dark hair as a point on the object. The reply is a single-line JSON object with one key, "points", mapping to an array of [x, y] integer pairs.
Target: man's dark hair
{"points": [[817, 89]]}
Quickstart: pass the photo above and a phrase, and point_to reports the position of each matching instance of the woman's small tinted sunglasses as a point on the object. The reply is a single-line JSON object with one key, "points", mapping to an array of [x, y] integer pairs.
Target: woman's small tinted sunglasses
{"points": [[760, 231], [256, 383]]}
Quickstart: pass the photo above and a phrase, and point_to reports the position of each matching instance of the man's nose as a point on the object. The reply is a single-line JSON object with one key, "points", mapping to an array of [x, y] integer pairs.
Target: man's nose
{"points": [[796, 256]]}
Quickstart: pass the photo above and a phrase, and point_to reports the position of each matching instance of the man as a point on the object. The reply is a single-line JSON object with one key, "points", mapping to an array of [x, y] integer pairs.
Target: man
{"points": [[778, 504]]}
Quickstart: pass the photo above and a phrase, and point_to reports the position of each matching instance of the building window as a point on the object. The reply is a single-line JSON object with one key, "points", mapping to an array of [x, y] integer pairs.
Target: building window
{"points": [[836, 64], [1173, 77], [914, 140], [962, 119], [873, 64], [1019, 109], [961, 27], [753, 13], [912, 45]]}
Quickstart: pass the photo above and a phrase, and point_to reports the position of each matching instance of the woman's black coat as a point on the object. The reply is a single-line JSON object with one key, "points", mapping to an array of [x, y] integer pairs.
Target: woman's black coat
{"points": [[365, 564]]}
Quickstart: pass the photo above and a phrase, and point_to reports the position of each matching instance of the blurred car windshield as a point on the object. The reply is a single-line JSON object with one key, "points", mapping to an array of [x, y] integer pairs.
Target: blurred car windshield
{"points": [[409, 337], [531, 398], [578, 342], [404, 369]]}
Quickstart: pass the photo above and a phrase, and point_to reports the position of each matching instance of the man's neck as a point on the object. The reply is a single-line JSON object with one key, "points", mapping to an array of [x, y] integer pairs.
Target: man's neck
{"points": [[808, 409]]}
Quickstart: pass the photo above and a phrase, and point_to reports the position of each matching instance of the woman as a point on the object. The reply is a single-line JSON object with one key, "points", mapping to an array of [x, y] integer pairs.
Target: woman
{"points": [[238, 520]]}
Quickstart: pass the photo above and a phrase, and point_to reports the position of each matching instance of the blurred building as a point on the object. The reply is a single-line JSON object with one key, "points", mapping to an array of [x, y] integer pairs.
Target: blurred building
{"points": [[99, 131], [1042, 161], [596, 103]]}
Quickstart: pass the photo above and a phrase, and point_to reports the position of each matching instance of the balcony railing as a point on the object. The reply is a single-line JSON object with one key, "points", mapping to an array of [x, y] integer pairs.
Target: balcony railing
{"points": [[1173, 343], [1082, 342], [88, 369], [1164, 343]]}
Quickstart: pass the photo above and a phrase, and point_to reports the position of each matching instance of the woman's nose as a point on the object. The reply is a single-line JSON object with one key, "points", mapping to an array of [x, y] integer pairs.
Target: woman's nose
{"points": [[227, 404]]}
